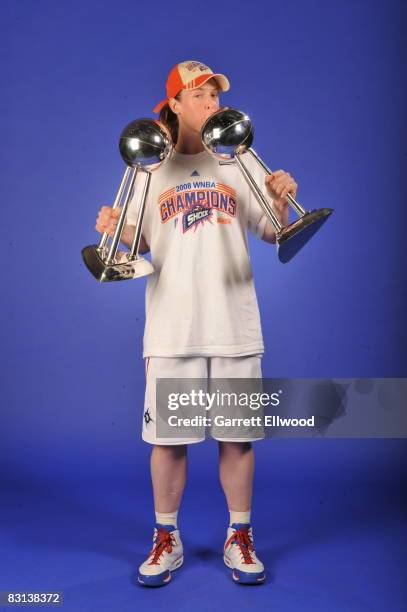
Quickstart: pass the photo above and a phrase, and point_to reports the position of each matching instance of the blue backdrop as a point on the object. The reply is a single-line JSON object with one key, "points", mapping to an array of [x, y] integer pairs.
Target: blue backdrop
{"points": [[323, 84]]}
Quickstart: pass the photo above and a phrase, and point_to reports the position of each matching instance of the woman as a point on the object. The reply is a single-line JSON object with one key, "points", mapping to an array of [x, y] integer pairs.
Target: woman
{"points": [[202, 317]]}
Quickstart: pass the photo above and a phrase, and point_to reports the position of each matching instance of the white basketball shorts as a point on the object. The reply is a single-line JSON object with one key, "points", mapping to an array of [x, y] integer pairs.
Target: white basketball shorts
{"points": [[192, 367]]}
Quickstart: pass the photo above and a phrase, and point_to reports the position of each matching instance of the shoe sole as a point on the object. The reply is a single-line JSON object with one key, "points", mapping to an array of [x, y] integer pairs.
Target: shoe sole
{"points": [[245, 577], [148, 581]]}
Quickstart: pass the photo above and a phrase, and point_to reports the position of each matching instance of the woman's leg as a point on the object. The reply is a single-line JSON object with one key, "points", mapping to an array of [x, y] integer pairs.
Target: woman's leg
{"points": [[236, 470], [168, 474]]}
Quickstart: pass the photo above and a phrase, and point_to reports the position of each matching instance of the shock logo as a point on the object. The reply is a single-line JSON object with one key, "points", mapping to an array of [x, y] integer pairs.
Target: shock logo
{"points": [[193, 65], [198, 214]]}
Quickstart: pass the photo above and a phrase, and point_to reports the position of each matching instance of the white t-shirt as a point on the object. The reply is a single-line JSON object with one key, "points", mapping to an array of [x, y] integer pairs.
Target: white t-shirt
{"points": [[201, 299]]}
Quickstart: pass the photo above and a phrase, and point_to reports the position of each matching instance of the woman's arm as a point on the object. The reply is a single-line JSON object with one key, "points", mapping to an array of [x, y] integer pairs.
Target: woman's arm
{"points": [[279, 184], [127, 238], [281, 212]]}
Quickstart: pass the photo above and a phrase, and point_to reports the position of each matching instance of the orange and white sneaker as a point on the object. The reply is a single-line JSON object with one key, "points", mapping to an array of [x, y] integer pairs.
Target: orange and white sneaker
{"points": [[239, 555], [166, 555]]}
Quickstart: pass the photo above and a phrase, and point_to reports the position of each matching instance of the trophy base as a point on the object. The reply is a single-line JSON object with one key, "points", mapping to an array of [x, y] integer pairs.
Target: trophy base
{"points": [[296, 235], [122, 268]]}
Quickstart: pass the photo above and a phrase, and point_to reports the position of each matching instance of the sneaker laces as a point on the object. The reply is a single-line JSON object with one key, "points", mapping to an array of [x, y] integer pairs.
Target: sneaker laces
{"points": [[163, 541], [241, 537]]}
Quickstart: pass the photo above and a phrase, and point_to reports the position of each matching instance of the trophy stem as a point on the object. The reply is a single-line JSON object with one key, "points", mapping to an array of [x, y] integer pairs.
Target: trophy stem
{"points": [[119, 194], [297, 207], [140, 216], [122, 218], [258, 194]]}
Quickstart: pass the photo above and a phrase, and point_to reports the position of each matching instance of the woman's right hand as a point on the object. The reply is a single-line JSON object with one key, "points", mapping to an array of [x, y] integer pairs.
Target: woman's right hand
{"points": [[107, 219]]}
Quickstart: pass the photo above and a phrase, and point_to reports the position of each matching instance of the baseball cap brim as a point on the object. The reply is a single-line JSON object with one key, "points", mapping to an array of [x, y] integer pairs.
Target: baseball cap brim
{"points": [[222, 81]]}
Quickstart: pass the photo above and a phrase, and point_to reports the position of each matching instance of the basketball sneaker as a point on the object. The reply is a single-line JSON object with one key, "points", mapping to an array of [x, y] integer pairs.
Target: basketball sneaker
{"points": [[239, 555], [165, 556]]}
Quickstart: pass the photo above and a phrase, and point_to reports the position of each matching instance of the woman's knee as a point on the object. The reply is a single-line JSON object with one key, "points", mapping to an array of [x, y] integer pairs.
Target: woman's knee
{"points": [[175, 451], [238, 448]]}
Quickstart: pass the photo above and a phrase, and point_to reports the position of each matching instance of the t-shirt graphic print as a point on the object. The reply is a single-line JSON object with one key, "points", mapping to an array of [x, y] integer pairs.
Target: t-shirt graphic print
{"points": [[196, 202]]}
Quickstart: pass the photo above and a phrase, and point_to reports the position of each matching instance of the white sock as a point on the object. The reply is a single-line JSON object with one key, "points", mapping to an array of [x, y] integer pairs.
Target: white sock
{"points": [[239, 517], [167, 518]]}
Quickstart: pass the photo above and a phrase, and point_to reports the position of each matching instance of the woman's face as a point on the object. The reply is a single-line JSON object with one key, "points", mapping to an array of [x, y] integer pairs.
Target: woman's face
{"points": [[196, 105]]}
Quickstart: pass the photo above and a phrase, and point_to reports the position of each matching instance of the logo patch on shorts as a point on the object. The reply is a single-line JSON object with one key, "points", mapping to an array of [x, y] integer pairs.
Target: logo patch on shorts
{"points": [[147, 416]]}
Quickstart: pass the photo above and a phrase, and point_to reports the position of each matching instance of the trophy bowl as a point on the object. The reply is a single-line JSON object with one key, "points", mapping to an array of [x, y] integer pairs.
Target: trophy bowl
{"points": [[145, 143], [227, 132]]}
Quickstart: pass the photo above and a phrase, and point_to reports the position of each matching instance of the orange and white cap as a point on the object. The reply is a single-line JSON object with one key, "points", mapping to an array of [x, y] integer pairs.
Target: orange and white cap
{"points": [[190, 75]]}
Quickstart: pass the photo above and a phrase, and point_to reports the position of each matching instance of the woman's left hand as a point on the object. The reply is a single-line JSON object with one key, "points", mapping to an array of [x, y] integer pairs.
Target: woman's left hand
{"points": [[279, 184]]}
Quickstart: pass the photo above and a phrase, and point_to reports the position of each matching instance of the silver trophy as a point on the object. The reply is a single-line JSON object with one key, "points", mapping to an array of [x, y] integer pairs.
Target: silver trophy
{"points": [[145, 144], [228, 134]]}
